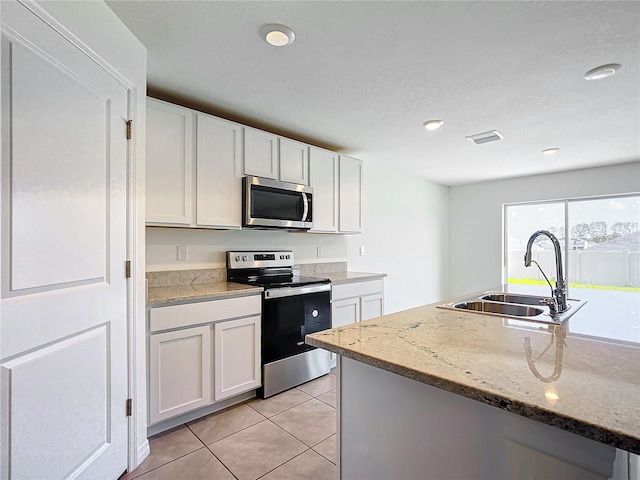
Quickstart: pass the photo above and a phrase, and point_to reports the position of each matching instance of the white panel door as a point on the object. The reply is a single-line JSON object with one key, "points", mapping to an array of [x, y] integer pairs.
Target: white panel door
{"points": [[237, 356], [169, 164], [345, 312], [63, 238], [294, 161], [323, 177], [219, 173], [350, 195], [371, 306], [179, 372], [260, 153]]}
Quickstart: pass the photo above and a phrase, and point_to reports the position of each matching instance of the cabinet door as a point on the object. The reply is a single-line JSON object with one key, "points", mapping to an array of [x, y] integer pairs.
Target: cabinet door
{"points": [[350, 195], [323, 177], [345, 312], [294, 161], [219, 173], [372, 306], [260, 153], [179, 372], [169, 164], [237, 356]]}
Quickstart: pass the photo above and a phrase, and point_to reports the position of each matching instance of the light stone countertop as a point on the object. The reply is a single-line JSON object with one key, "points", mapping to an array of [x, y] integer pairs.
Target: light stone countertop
{"points": [[167, 295], [584, 385], [350, 277]]}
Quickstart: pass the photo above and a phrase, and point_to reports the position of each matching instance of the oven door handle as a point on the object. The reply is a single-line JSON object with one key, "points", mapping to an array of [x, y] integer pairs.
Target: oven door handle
{"points": [[305, 207], [290, 292]]}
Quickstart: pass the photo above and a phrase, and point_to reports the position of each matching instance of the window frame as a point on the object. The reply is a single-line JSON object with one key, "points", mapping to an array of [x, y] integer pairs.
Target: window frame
{"points": [[565, 202]]}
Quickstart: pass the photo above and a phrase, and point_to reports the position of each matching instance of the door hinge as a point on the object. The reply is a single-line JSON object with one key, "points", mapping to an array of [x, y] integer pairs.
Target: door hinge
{"points": [[129, 129], [128, 407], [127, 269]]}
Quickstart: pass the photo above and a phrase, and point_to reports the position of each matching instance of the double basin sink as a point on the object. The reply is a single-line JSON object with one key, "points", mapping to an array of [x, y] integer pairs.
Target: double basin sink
{"points": [[512, 305]]}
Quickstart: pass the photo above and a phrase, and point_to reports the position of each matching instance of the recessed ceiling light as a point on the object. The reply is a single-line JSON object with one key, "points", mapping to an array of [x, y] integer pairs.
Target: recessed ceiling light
{"points": [[603, 71], [277, 35], [550, 151], [433, 124]]}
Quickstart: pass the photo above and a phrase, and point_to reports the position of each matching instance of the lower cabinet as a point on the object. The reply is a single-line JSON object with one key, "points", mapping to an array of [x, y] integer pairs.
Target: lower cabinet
{"points": [[202, 353], [236, 357], [180, 372], [355, 302]]}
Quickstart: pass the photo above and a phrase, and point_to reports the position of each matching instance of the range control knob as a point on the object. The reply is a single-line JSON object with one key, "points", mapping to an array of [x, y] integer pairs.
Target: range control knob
{"points": [[288, 257], [237, 258], [281, 257], [245, 258]]}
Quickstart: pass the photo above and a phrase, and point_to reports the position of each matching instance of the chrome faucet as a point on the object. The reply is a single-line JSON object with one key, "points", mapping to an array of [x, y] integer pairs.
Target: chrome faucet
{"points": [[558, 301]]}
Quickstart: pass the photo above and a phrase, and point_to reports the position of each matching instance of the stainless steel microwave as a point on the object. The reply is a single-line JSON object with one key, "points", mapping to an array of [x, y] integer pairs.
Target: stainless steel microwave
{"points": [[268, 203]]}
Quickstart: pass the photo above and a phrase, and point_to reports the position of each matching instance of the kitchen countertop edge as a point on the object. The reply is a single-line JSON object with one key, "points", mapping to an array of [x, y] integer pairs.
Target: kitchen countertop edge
{"points": [[177, 294], [339, 278]]}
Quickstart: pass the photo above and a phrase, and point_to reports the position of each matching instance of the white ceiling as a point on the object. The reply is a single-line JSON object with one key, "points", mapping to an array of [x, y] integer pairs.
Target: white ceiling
{"points": [[362, 77]]}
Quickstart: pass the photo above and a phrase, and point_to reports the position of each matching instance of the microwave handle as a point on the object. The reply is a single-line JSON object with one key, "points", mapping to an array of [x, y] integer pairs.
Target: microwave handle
{"points": [[305, 204]]}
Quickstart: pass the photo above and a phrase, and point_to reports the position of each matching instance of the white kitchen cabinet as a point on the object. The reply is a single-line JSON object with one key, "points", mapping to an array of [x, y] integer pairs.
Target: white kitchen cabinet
{"points": [[180, 372], [294, 161], [350, 195], [356, 302], [193, 169], [260, 153], [345, 312], [371, 306], [218, 173], [201, 353], [169, 164], [323, 177], [237, 357]]}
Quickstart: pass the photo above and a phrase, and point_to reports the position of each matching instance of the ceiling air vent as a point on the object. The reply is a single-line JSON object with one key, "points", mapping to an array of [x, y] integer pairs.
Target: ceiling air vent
{"points": [[484, 137]]}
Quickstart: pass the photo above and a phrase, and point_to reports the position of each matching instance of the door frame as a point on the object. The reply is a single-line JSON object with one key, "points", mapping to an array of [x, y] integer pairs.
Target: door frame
{"points": [[135, 235]]}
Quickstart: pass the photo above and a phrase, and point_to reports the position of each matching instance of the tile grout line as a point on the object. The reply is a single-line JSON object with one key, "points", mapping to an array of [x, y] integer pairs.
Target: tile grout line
{"points": [[167, 463], [292, 458]]}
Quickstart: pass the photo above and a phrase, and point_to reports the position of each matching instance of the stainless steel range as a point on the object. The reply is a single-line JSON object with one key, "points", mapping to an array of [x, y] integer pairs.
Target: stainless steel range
{"points": [[292, 307]]}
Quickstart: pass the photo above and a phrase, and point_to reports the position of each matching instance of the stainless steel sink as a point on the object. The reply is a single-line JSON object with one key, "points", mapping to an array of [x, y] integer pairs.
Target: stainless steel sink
{"points": [[513, 298], [508, 309], [513, 305]]}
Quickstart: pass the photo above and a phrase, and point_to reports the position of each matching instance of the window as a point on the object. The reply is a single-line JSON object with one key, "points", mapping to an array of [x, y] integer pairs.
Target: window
{"points": [[600, 239]]}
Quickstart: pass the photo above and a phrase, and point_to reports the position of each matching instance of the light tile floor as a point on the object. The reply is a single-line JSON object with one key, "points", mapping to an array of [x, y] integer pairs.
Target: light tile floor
{"points": [[289, 436]]}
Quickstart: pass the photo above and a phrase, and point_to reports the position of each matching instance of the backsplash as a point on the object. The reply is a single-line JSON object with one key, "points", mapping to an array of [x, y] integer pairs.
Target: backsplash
{"points": [[211, 275], [186, 277]]}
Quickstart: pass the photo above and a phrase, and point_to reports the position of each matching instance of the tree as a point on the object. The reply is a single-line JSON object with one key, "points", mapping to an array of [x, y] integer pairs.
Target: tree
{"points": [[620, 229]]}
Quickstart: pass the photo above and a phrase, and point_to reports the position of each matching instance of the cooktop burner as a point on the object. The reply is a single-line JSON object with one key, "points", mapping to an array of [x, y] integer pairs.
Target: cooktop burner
{"points": [[268, 269]]}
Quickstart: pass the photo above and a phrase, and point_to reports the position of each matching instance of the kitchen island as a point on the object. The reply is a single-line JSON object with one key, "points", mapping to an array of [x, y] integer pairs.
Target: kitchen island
{"points": [[433, 393]]}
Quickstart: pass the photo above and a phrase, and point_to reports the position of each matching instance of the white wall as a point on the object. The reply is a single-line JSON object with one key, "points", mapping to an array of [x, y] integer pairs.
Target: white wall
{"points": [[206, 248], [475, 216], [404, 235]]}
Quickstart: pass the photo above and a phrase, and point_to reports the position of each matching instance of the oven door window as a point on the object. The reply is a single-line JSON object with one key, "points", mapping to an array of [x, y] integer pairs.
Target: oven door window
{"points": [[273, 203], [286, 321]]}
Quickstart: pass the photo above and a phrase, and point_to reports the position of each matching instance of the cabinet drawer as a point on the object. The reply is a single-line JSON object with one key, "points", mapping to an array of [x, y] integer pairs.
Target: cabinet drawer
{"points": [[177, 316], [356, 289]]}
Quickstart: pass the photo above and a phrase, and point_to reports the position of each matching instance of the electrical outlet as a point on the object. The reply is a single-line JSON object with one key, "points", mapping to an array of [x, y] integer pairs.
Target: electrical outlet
{"points": [[362, 251], [320, 252], [182, 253]]}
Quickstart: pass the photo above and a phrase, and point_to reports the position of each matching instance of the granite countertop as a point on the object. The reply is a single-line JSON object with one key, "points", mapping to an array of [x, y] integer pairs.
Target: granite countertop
{"points": [[166, 295], [585, 385], [349, 277]]}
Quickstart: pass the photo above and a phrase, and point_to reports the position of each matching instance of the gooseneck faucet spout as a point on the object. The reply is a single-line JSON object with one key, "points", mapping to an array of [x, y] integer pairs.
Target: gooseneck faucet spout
{"points": [[558, 301]]}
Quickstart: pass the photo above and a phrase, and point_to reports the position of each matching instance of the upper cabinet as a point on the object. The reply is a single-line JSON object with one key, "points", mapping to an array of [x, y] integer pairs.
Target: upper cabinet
{"points": [[193, 168], [294, 161], [260, 153], [270, 156], [169, 163], [195, 164], [218, 172], [323, 176]]}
